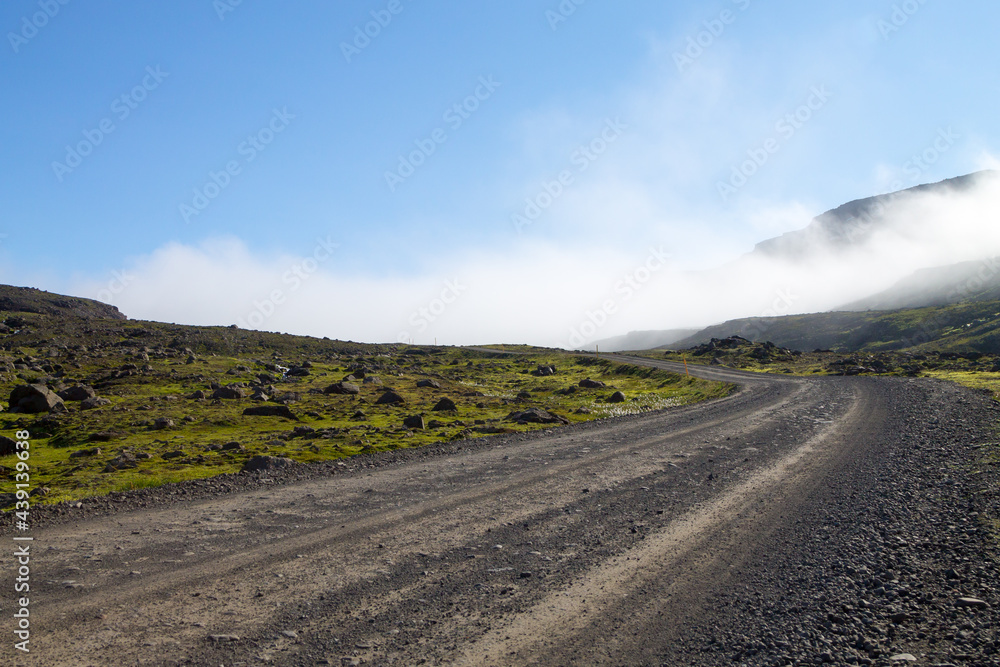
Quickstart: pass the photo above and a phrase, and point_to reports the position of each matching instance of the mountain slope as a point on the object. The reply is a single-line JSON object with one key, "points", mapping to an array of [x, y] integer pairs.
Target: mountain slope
{"points": [[964, 327], [938, 286], [31, 300], [642, 340], [852, 223]]}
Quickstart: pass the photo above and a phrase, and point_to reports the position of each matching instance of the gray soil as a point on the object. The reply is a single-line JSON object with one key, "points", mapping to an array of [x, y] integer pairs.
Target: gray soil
{"points": [[800, 521]]}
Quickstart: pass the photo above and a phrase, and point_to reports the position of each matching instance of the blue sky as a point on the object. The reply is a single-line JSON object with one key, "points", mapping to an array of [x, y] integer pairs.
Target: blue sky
{"points": [[669, 98]]}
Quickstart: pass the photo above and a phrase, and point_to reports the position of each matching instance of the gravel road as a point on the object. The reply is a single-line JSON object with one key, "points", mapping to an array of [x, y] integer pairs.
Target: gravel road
{"points": [[800, 521]]}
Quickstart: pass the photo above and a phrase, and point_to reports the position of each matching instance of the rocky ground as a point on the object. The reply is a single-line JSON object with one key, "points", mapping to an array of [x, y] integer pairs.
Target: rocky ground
{"points": [[894, 561]]}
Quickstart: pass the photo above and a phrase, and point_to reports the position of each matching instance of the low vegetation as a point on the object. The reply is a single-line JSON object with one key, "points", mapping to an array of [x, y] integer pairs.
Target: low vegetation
{"points": [[168, 410]]}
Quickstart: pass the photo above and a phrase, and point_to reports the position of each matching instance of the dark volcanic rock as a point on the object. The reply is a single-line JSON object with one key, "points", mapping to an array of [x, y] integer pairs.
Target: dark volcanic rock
{"points": [[444, 404], [390, 398], [414, 422], [434, 384], [8, 446], [94, 402], [535, 416], [34, 398], [592, 384], [343, 388], [230, 393], [80, 392], [269, 411], [261, 463]]}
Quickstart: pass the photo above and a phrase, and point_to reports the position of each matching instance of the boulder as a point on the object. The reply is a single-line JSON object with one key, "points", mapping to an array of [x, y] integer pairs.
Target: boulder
{"points": [[535, 416], [414, 422], [162, 423], [34, 398], [390, 398], [8, 446], [230, 393], [124, 461], [262, 463], [80, 392], [343, 388], [444, 404], [93, 451], [433, 384], [269, 411], [94, 402], [617, 397], [592, 384]]}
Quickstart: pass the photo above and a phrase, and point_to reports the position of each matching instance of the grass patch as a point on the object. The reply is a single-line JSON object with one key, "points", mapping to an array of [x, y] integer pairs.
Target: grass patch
{"points": [[151, 371]]}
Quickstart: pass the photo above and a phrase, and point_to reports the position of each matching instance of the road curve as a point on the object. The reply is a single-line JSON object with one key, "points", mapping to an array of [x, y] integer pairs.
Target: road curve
{"points": [[594, 544]]}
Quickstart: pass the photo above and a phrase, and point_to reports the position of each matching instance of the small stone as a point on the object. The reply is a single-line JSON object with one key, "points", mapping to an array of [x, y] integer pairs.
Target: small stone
{"points": [[223, 639], [291, 634], [903, 657], [975, 603], [162, 423]]}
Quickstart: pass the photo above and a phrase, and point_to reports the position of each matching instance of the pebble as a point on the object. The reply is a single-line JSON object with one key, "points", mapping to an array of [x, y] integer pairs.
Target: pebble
{"points": [[975, 603]]}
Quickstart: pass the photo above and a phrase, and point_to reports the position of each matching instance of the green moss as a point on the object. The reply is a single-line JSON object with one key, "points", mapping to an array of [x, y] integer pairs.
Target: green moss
{"points": [[486, 387]]}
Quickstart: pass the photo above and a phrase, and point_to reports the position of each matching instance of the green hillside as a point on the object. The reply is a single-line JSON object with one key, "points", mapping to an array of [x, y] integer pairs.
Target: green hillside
{"points": [[964, 327]]}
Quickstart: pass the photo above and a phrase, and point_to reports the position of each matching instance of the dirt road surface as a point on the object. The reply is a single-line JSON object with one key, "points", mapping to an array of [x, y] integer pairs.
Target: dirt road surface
{"points": [[736, 531]]}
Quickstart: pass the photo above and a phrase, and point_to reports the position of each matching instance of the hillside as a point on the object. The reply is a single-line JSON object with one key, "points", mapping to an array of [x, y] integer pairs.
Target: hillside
{"points": [[114, 404], [938, 286], [965, 327], [641, 340], [852, 223], [31, 300]]}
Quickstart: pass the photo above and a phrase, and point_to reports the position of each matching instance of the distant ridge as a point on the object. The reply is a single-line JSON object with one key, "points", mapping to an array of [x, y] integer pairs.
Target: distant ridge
{"points": [[938, 286], [851, 223], [641, 340], [31, 300]]}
